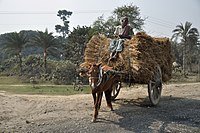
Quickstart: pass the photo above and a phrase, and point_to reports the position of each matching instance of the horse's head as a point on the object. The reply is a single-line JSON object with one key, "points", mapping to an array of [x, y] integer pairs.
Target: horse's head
{"points": [[95, 75]]}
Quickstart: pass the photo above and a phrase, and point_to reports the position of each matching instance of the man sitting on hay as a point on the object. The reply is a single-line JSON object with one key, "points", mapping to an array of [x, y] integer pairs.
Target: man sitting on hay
{"points": [[122, 32]]}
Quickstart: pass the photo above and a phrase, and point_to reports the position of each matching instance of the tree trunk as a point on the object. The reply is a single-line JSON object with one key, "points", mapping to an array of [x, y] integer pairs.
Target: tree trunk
{"points": [[45, 61], [184, 61], [184, 57], [20, 63], [190, 58]]}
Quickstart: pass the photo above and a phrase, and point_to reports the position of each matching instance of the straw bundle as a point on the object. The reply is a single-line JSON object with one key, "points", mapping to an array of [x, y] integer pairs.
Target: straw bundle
{"points": [[140, 56]]}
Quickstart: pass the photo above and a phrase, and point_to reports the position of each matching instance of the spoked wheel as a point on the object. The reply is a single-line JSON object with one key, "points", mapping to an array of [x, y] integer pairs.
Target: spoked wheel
{"points": [[155, 86], [115, 90]]}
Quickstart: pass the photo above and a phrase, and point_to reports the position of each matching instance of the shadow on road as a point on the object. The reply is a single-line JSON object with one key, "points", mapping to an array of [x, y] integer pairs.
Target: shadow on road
{"points": [[173, 114]]}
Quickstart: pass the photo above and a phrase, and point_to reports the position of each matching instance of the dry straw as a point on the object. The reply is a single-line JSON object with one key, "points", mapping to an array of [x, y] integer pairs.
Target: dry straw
{"points": [[140, 56]]}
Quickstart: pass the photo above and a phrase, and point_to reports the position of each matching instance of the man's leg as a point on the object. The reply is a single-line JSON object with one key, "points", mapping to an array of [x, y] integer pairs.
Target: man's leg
{"points": [[119, 48]]}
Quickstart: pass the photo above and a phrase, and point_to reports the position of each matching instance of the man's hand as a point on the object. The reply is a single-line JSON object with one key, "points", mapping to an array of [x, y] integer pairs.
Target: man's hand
{"points": [[116, 36]]}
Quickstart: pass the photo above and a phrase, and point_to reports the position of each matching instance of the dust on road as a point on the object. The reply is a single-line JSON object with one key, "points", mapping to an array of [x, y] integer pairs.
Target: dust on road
{"points": [[178, 111]]}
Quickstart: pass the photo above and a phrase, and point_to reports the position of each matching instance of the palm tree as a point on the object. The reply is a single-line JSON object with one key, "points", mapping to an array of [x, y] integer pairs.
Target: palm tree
{"points": [[186, 33], [47, 42], [13, 44]]}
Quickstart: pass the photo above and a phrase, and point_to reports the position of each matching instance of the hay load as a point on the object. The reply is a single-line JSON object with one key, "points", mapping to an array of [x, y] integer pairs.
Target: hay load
{"points": [[140, 56]]}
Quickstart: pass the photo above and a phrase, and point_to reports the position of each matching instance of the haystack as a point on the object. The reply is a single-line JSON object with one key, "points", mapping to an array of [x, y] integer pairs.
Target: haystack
{"points": [[140, 56]]}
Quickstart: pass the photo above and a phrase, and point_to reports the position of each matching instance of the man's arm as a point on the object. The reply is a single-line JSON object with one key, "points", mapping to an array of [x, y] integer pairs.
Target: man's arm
{"points": [[131, 33], [117, 31]]}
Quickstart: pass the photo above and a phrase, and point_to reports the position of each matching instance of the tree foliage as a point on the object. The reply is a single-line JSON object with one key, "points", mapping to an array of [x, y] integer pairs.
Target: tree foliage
{"points": [[107, 27], [133, 13], [64, 15], [13, 44], [188, 47], [76, 43], [32, 62], [48, 43]]}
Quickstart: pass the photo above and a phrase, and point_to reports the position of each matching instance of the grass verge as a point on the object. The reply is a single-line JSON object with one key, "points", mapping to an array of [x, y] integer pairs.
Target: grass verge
{"points": [[17, 85], [43, 89]]}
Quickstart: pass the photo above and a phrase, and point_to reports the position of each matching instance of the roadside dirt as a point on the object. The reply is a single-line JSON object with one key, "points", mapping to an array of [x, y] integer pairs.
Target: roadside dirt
{"points": [[178, 111]]}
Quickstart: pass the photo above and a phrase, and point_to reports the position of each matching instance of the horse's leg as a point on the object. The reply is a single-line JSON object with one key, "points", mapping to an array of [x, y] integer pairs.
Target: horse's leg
{"points": [[94, 97], [108, 98], [95, 101], [100, 99], [96, 107]]}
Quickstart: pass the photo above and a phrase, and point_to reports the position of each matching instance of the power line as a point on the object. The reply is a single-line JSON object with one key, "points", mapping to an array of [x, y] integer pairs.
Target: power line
{"points": [[154, 20], [26, 13], [28, 24], [160, 22], [50, 12], [150, 19]]}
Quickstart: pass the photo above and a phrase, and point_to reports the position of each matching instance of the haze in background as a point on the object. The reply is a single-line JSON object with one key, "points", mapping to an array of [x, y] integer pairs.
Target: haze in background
{"points": [[162, 15]]}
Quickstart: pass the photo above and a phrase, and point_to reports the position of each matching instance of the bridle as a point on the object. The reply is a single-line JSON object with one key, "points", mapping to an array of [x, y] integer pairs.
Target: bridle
{"points": [[99, 77]]}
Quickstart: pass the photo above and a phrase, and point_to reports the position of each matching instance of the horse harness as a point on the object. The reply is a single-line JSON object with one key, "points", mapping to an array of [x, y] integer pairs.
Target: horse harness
{"points": [[103, 77]]}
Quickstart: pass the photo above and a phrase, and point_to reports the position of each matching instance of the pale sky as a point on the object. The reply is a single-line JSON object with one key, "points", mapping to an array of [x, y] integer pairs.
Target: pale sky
{"points": [[162, 15]]}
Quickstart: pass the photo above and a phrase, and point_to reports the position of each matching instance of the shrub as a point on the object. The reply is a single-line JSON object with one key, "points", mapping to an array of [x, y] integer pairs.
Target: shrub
{"points": [[58, 72], [64, 72]]}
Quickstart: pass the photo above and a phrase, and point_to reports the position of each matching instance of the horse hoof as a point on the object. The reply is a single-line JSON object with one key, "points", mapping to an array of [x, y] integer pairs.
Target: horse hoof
{"points": [[93, 120]]}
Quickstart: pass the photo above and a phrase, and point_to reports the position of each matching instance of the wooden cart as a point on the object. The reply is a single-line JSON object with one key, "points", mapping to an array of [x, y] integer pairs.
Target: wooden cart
{"points": [[154, 87], [147, 58]]}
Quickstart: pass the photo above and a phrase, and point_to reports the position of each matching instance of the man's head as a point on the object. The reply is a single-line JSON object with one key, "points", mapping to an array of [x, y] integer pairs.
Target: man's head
{"points": [[124, 21]]}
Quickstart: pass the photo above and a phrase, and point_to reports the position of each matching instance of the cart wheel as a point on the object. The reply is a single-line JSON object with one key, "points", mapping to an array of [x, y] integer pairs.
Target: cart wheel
{"points": [[115, 90], [155, 86]]}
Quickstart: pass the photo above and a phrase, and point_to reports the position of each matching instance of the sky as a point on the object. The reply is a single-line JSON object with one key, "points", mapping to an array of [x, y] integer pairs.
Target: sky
{"points": [[162, 16]]}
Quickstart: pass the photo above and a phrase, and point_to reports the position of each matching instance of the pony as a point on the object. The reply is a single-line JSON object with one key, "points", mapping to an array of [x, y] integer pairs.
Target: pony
{"points": [[101, 80]]}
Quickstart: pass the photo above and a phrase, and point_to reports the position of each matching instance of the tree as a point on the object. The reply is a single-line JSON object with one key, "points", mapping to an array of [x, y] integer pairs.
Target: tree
{"points": [[64, 30], [76, 43], [192, 51], [188, 37], [48, 43], [176, 50], [99, 25], [133, 13], [198, 48], [14, 43], [103, 26], [107, 27]]}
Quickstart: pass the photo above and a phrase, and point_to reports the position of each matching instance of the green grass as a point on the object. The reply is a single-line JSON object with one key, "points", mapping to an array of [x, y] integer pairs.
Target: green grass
{"points": [[43, 90], [10, 80], [16, 85], [179, 78]]}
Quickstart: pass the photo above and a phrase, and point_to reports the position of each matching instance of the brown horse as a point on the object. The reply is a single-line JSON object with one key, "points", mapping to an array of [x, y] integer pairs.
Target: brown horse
{"points": [[101, 81]]}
